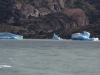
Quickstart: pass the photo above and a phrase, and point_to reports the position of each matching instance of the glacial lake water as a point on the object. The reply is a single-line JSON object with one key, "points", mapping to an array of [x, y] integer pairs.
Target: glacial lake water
{"points": [[49, 57]]}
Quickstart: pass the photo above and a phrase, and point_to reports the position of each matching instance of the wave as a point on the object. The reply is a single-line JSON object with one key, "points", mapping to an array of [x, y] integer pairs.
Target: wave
{"points": [[5, 66]]}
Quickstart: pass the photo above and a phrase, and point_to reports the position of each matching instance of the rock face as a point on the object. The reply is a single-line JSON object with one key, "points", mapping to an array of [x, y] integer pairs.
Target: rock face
{"points": [[43, 16], [54, 5], [18, 11], [29, 10], [77, 15], [56, 21]]}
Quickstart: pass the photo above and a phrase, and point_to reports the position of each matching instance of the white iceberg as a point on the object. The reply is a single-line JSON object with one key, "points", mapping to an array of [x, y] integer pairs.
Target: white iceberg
{"points": [[83, 36], [55, 37], [6, 35]]}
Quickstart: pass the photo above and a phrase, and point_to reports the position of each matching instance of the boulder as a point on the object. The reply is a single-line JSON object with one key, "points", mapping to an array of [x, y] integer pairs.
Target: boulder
{"points": [[77, 15]]}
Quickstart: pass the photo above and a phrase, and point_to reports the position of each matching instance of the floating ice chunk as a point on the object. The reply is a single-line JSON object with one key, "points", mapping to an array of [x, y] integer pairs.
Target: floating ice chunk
{"points": [[83, 36], [7, 35], [94, 39], [86, 33], [55, 37]]}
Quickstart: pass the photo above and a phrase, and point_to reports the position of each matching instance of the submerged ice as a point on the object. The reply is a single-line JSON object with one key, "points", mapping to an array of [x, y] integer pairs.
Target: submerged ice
{"points": [[83, 36], [7, 35]]}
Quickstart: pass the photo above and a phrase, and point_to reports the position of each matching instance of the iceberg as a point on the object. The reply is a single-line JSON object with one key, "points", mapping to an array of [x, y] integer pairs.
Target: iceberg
{"points": [[55, 37], [83, 36], [6, 35]]}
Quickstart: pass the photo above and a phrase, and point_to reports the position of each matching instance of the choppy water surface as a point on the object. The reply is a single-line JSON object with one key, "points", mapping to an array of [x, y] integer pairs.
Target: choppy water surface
{"points": [[49, 57]]}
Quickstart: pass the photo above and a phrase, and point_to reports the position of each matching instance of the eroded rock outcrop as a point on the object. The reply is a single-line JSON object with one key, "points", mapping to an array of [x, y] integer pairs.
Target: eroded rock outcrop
{"points": [[17, 11], [66, 19], [78, 15], [43, 16], [53, 5]]}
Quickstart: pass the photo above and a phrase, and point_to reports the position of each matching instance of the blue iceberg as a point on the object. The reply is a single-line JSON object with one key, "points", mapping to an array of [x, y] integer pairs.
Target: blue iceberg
{"points": [[55, 37], [6, 35], [83, 36]]}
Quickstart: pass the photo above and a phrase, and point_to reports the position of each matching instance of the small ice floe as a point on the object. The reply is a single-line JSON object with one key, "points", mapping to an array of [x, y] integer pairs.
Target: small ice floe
{"points": [[56, 37], [5, 66], [7, 35]]}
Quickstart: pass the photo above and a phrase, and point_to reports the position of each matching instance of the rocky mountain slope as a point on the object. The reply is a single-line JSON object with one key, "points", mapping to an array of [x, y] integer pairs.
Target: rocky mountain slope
{"points": [[41, 18]]}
